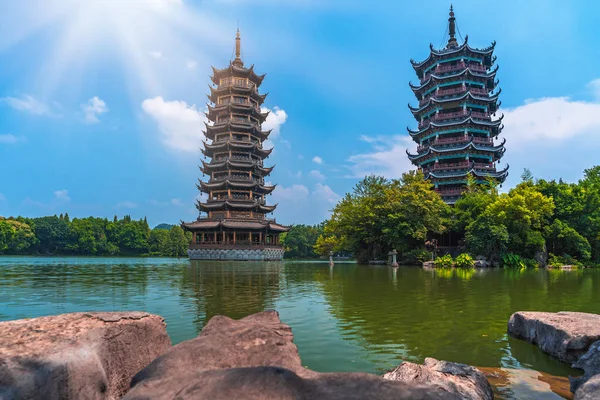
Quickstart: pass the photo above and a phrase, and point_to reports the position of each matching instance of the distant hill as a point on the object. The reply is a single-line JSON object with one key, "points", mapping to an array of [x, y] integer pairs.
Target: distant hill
{"points": [[164, 226]]}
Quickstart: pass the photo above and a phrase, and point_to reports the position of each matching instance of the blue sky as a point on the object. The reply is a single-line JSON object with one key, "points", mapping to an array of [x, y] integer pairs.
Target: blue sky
{"points": [[101, 100]]}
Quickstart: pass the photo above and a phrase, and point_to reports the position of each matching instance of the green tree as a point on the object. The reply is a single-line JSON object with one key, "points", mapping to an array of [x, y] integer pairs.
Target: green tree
{"points": [[381, 214], [178, 242], [300, 241]]}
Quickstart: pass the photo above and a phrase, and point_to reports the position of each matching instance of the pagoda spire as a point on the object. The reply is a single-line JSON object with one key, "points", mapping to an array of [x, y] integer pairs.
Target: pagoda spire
{"points": [[238, 49], [452, 29]]}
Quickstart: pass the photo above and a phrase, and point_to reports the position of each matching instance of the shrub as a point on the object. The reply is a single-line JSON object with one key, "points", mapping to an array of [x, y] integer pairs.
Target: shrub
{"points": [[464, 261], [559, 261], [416, 256], [511, 260], [443, 261]]}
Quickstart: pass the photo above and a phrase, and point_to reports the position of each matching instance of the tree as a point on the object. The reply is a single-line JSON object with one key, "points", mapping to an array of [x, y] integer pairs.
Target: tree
{"points": [[300, 241], [16, 237], [178, 241], [380, 215]]}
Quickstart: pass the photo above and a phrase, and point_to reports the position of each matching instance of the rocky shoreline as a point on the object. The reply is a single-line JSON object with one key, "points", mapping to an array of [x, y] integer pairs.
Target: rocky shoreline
{"points": [[572, 337], [129, 355]]}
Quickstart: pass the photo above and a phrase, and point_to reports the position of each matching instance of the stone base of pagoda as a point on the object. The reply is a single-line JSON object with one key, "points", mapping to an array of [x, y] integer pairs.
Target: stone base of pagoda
{"points": [[232, 252]]}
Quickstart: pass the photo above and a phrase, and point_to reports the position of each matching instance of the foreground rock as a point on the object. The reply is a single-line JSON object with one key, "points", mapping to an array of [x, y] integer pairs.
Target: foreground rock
{"points": [[462, 380], [590, 364], [565, 335], [255, 358], [77, 356], [590, 390]]}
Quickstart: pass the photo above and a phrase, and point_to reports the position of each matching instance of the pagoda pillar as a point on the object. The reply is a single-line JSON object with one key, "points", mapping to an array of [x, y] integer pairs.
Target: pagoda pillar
{"points": [[223, 236], [193, 237], [260, 238], [202, 237]]}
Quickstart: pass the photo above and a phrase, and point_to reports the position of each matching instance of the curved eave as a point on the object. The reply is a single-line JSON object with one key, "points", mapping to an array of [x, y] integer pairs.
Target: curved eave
{"points": [[438, 53], [267, 209], [233, 89], [234, 70], [496, 174], [486, 75], [253, 129], [491, 98], [490, 149], [494, 123]]}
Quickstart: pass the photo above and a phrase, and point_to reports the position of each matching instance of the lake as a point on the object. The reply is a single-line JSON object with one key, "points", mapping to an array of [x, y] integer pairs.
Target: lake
{"points": [[346, 318]]}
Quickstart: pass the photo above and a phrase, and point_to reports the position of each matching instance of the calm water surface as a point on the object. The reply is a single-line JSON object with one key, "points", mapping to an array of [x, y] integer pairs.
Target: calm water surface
{"points": [[349, 318]]}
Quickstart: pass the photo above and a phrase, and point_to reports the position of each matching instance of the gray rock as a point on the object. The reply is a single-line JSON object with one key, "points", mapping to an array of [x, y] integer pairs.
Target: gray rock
{"points": [[482, 264], [77, 356], [589, 390], [541, 257], [255, 358], [565, 335], [589, 363], [462, 380]]}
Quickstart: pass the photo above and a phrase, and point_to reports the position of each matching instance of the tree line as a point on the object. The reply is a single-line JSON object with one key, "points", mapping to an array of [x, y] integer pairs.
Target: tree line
{"points": [[60, 235], [554, 217]]}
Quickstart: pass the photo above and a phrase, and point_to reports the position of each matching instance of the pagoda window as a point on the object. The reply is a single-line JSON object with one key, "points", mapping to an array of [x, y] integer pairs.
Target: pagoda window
{"points": [[224, 100], [240, 100]]}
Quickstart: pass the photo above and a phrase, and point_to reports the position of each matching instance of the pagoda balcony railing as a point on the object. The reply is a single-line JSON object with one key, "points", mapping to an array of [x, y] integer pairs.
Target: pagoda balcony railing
{"points": [[227, 83], [455, 140], [486, 166], [450, 192], [485, 141], [239, 138], [237, 197], [452, 115], [244, 178], [444, 166], [238, 120], [239, 158], [480, 115], [479, 91], [449, 92]]}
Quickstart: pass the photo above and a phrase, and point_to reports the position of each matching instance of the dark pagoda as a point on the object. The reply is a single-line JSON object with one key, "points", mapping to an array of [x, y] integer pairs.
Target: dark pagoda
{"points": [[235, 226], [456, 129]]}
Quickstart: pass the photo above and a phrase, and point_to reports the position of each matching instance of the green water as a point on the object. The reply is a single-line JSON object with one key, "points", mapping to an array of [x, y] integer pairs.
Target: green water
{"points": [[349, 318]]}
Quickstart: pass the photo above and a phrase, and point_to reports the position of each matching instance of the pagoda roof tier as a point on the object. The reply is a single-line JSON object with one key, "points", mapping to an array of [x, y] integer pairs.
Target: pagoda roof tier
{"points": [[480, 172], [239, 145], [435, 55], [234, 70], [467, 120], [490, 75], [432, 104], [462, 145], [247, 109], [440, 150], [225, 184], [251, 128], [251, 205], [247, 90], [207, 168], [234, 223]]}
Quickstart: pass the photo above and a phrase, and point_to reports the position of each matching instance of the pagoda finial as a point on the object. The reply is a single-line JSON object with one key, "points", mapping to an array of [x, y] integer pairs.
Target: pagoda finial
{"points": [[452, 29], [238, 49]]}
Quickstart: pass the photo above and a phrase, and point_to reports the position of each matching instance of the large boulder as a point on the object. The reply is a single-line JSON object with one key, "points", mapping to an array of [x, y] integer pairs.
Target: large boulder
{"points": [[79, 355], [565, 335], [590, 390], [255, 358], [462, 380], [590, 364]]}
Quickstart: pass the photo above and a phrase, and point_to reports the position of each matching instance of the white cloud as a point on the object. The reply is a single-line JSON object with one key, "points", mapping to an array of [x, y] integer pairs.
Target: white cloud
{"points": [[176, 202], [62, 195], [387, 158], [274, 121], [127, 204], [92, 109], [317, 160], [594, 86], [28, 104], [180, 124], [297, 174], [10, 139], [155, 54], [550, 120], [325, 193], [191, 64], [292, 193], [317, 175]]}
